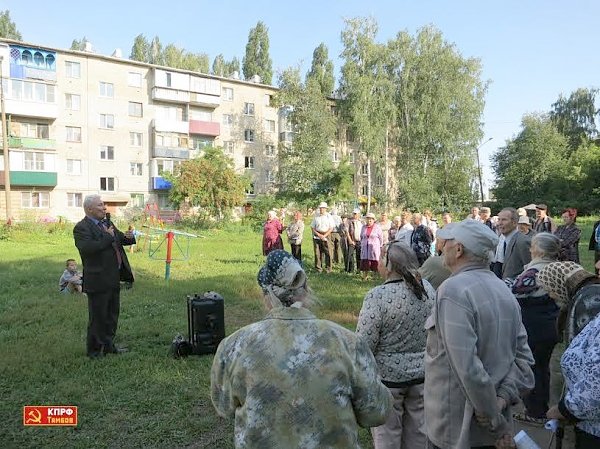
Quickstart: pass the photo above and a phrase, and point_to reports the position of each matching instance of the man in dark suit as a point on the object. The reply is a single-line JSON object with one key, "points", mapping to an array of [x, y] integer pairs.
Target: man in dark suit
{"points": [[516, 245], [105, 264]]}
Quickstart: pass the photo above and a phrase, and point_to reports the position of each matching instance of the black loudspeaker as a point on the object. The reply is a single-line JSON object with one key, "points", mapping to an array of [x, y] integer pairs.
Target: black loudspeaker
{"points": [[206, 322]]}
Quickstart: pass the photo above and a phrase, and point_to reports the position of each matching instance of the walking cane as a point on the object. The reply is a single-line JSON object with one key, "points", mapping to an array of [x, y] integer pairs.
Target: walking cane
{"points": [[560, 433]]}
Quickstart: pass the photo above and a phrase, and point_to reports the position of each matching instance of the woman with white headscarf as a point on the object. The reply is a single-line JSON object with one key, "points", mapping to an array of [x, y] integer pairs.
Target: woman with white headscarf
{"points": [[292, 380]]}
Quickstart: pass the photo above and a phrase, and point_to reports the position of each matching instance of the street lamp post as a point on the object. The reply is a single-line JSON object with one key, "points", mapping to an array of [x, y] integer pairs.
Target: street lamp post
{"points": [[479, 170], [5, 146]]}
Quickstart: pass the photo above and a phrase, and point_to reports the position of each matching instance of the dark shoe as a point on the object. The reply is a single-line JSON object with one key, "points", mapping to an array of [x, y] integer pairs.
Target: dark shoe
{"points": [[115, 350], [96, 355], [525, 418]]}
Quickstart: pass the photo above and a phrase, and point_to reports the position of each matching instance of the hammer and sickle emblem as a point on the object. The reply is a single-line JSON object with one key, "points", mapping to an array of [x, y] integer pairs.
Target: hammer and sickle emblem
{"points": [[34, 417]]}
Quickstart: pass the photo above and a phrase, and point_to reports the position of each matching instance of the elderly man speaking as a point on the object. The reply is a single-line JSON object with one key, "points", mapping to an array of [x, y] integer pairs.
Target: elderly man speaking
{"points": [[477, 359]]}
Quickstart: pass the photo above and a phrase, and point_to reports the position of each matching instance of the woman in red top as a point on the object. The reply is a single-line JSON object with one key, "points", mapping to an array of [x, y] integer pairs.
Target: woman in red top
{"points": [[272, 233]]}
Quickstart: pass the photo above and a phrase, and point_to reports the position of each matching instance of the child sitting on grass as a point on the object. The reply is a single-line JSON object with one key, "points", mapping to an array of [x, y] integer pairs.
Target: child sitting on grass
{"points": [[71, 279]]}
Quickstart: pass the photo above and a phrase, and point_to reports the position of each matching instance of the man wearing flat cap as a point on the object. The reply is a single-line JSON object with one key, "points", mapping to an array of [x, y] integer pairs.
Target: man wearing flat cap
{"points": [[543, 222], [477, 360]]}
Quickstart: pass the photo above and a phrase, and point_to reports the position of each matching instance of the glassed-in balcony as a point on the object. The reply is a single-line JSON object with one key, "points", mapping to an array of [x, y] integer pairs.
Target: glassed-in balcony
{"points": [[205, 128], [31, 178], [32, 143]]}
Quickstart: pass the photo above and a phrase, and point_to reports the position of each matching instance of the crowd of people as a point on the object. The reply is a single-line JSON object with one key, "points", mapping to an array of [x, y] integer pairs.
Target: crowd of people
{"points": [[459, 334]]}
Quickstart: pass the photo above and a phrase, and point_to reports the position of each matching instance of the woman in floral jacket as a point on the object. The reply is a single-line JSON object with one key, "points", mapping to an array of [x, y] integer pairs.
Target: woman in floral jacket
{"points": [[569, 235]]}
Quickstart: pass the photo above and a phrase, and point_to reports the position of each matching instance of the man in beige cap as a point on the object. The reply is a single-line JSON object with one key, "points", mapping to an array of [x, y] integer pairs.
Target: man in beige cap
{"points": [[524, 225], [477, 360], [322, 227]]}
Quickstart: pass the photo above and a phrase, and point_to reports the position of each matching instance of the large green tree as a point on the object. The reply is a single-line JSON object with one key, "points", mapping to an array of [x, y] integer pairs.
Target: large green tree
{"points": [[306, 170], [257, 60], [439, 102], [532, 167], [209, 182], [140, 49], [367, 93], [8, 29], [575, 116], [322, 70]]}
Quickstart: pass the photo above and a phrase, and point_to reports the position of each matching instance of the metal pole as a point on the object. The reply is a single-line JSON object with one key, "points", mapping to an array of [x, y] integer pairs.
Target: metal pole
{"points": [[479, 170], [5, 147]]}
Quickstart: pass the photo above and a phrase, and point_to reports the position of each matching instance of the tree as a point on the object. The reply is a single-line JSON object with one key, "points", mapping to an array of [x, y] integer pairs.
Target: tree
{"points": [[575, 117], [210, 182], [322, 70], [79, 44], [532, 167], [155, 52], [8, 29], [219, 65], [367, 92], [172, 56], [257, 60], [305, 164], [140, 49], [439, 100], [233, 67]]}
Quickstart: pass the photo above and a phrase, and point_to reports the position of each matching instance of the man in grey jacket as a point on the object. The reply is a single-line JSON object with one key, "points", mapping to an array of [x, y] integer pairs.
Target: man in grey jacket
{"points": [[516, 246], [477, 360]]}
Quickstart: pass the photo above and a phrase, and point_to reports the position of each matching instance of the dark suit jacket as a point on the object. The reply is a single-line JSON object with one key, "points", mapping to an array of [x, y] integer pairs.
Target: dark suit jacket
{"points": [[517, 255], [100, 267]]}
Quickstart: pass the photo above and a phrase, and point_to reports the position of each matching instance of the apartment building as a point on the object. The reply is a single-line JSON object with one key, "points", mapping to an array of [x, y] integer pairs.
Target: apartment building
{"points": [[82, 123]]}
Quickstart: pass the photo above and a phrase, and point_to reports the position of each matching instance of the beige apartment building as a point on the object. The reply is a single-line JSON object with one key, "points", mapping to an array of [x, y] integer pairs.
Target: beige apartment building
{"points": [[82, 123]]}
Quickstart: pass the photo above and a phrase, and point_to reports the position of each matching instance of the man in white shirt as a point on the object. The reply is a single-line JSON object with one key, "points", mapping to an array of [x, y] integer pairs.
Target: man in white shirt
{"points": [[322, 227]]}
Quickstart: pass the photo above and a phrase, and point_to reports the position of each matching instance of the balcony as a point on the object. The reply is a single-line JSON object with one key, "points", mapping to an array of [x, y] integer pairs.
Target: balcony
{"points": [[160, 183], [210, 101], [31, 108], [31, 178], [175, 153], [32, 143], [205, 128], [171, 95], [23, 72], [175, 126]]}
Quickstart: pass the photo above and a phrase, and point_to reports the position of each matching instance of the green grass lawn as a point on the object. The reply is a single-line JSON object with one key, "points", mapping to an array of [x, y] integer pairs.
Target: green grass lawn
{"points": [[143, 398]]}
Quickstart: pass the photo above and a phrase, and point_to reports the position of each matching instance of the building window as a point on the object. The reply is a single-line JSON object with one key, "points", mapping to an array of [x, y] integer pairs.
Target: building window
{"points": [[34, 130], [134, 79], [379, 181], [199, 143], [73, 166], [335, 157], [135, 139], [248, 108], [249, 135], [228, 147], [249, 162], [135, 109], [107, 184], [227, 119], [107, 153], [268, 100], [32, 200], [107, 89], [137, 200], [270, 176], [270, 150], [250, 189], [227, 94], [351, 154], [364, 190], [166, 166], [72, 69], [107, 121], [135, 168], [73, 102], [73, 134], [270, 126], [33, 161], [168, 79], [364, 169], [32, 91], [74, 200]]}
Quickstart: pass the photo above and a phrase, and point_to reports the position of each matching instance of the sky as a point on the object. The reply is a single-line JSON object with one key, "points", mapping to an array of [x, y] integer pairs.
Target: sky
{"points": [[531, 51]]}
